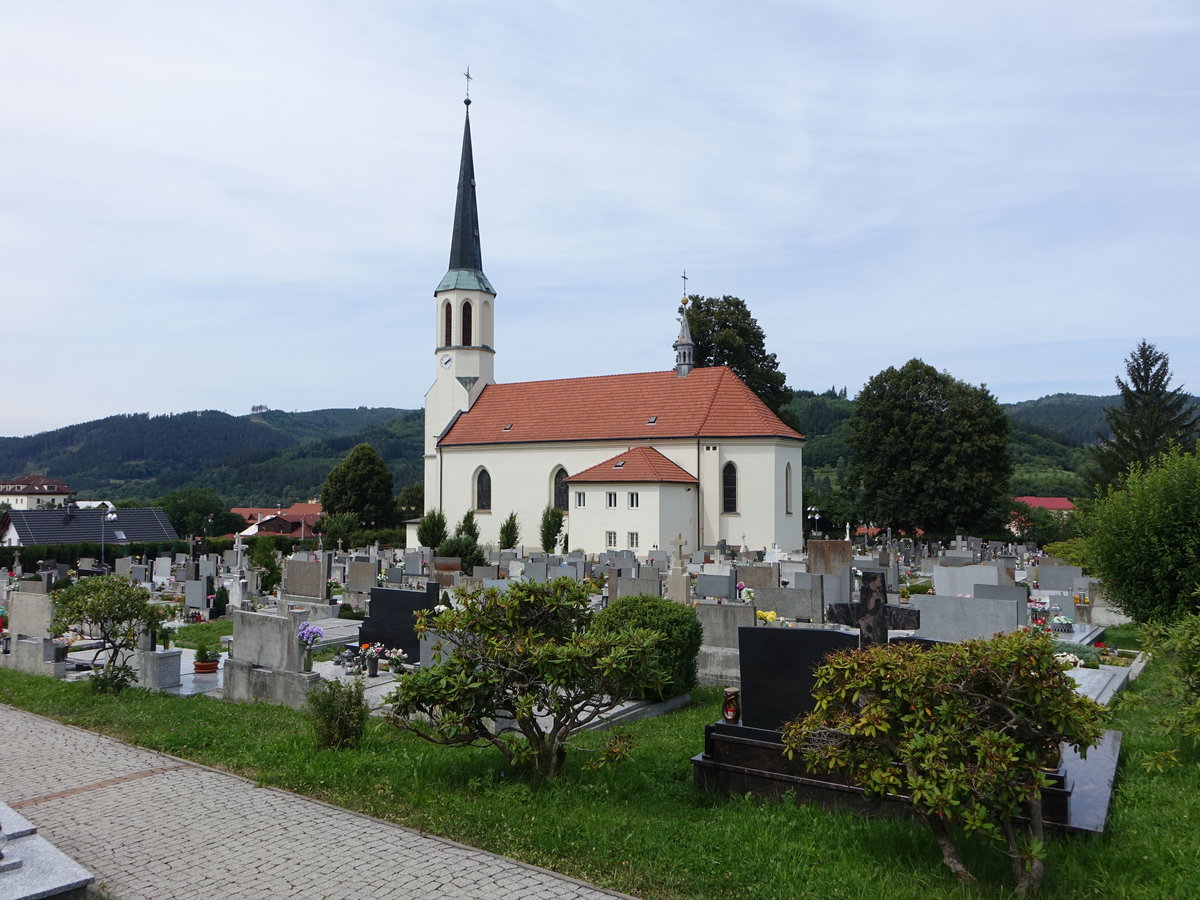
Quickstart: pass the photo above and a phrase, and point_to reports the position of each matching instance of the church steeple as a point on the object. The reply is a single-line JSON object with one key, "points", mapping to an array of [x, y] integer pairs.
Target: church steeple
{"points": [[466, 259], [684, 348]]}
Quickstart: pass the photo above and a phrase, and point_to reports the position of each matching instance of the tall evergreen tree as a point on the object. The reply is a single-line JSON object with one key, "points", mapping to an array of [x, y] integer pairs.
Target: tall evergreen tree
{"points": [[1149, 420]]}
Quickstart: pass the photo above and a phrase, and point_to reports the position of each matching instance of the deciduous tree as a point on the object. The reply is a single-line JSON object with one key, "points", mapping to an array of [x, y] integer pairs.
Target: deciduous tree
{"points": [[1143, 538], [526, 655], [361, 484], [930, 452], [962, 730], [1151, 417], [114, 611]]}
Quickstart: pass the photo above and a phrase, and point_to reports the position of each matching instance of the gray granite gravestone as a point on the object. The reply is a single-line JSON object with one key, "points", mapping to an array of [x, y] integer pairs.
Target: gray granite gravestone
{"points": [[711, 585]]}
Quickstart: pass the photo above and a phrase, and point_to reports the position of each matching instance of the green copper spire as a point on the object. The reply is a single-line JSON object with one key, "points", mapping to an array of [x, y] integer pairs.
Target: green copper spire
{"points": [[466, 259]]}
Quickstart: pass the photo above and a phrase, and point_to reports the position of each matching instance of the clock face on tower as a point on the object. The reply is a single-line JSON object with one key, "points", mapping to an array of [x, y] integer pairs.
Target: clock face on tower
{"points": [[447, 361]]}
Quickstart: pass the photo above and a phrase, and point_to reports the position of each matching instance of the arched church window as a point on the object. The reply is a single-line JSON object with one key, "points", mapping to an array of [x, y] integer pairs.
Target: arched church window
{"points": [[560, 489], [729, 488], [448, 327], [466, 325], [787, 489], [483, 490]]}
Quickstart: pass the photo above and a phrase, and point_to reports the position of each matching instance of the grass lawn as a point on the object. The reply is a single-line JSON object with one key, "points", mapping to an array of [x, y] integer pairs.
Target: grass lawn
{"points": [[642, 827], [188, 635]]}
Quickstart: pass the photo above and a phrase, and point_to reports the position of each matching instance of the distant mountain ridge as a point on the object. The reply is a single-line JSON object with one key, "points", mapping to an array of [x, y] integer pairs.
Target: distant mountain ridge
{"points": [[139, 456], [270, 457]]}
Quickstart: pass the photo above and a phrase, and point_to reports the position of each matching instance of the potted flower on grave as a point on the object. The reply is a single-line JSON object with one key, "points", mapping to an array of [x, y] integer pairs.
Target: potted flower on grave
{"points": [[371, 653], [396, 658], [207, 659], [308, 635]]}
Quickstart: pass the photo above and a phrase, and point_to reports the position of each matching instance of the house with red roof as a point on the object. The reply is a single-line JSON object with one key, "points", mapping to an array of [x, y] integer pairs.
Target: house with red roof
{"points": [[632, 460]]}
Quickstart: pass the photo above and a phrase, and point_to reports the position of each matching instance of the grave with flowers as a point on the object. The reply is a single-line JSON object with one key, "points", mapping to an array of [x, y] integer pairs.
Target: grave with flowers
{"points": [[267, 659]]}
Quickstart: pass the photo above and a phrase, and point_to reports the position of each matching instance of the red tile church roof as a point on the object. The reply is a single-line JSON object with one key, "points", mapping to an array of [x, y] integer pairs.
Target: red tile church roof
{"points": [[635, 464], [647, 406]]}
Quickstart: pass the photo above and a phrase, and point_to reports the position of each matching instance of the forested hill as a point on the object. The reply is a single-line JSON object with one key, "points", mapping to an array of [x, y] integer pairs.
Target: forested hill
{"points": [[1079, 417], [270, 457], [142, 456]]}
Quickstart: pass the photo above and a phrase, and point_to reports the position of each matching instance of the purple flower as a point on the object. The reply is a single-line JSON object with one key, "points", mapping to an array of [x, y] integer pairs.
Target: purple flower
{"points": [[309, 634]]}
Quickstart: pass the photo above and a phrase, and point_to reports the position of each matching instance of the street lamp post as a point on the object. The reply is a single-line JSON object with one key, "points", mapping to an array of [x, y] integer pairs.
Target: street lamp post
{"points": [[814, 516], [107, 517]]}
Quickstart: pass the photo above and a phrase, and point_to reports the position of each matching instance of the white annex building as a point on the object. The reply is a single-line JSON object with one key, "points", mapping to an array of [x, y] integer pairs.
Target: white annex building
{"points": [[632, 460]]}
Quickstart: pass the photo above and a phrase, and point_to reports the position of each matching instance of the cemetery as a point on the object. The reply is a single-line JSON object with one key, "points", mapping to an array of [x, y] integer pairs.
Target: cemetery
{"points": [[765, 624]]}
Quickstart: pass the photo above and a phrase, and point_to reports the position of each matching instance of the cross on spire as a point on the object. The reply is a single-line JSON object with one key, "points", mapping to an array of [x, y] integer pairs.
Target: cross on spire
{"points": [[684, 277], [467, 75]]}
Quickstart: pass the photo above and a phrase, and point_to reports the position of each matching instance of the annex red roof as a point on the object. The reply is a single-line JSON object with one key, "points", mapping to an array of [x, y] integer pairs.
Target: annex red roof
{"points": [[1055, 503], [312, 511], [635, 464], [708, 402]]}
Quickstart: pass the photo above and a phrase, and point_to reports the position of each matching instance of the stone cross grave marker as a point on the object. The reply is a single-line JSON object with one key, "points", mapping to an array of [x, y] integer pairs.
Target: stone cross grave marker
{"points": [[872, 615]]}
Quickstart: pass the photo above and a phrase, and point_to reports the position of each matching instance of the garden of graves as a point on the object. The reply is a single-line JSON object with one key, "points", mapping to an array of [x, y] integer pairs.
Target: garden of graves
{"points": [[958, 719]]}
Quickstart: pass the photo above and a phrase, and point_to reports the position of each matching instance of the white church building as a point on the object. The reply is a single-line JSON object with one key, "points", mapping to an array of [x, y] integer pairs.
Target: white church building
{"points": [[632, 460]]}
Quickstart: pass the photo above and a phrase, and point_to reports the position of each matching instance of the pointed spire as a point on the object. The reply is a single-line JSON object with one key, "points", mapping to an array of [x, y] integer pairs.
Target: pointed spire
{"points": [[684, 348], [466, 259]]}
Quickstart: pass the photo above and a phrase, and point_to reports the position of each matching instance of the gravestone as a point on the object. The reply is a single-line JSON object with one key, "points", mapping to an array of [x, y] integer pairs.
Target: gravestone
{"points": [[536, 572], [758, 576], [207, 567], [392, 621], [957, 619], [139, 574], [778, 668], [163, 569], [360, 576], [717, 661], [121, 566], [230, 559], [1002, 592], [799, 603], [488, 573], [628, 587], [1058, 578], [960, 581], [394, 575], [194, 595], [829, 557], [837, 587], [306, 578], [710, 585], [575, 573], [872, 614]]}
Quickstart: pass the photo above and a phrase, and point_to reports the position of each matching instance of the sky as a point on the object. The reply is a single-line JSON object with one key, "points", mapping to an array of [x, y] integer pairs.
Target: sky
{"points": [[223, 204]]}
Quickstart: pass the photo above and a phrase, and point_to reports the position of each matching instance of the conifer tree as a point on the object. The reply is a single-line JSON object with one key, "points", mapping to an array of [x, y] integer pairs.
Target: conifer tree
{"points": [[1151, 418]]}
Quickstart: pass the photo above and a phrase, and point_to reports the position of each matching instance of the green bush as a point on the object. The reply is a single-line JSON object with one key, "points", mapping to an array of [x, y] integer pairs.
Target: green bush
{"points": [[920, 587], [339, 713], [679, 647], [1178, 647], [346, 611]]}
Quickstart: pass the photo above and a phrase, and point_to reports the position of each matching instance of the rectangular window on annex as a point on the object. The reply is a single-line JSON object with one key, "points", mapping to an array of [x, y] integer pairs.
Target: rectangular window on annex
{"points": [[633, 499], [580, 499], [610, 538], [612, 499], [633, 540]]}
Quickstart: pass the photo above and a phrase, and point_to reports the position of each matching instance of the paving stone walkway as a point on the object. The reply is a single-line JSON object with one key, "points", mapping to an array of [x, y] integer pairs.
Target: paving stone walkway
{"points": [[152, 826]]}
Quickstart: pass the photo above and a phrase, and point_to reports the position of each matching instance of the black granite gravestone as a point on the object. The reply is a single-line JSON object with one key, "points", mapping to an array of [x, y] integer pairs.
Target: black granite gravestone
{"points": [[392, 622], [778, 668]]}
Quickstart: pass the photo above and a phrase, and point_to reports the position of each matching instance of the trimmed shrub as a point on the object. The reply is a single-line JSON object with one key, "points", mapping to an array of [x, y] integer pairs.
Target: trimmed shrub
{"points": [[339, 713], [681, 633]]}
